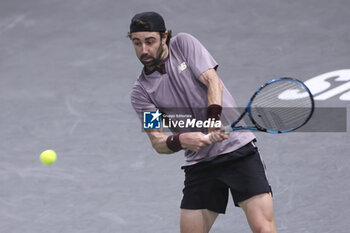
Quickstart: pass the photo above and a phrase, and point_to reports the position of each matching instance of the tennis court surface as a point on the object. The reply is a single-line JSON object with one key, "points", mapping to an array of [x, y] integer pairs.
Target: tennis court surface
{"points": [[66, 70]]}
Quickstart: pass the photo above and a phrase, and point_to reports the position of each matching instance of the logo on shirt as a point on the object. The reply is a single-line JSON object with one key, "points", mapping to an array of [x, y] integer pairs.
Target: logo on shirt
{"points": [[182, 67], [152, 120]]}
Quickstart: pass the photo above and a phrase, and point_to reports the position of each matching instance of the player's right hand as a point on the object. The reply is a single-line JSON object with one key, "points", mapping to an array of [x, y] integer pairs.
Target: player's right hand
{"points": [[194, 141], [218, 135]]}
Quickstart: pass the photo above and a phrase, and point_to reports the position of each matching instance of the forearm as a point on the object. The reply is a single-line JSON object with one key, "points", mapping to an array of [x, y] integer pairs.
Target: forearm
{"points": [[194, 141], [214, 92], [158, 141], [214, 86], [160, 145]]}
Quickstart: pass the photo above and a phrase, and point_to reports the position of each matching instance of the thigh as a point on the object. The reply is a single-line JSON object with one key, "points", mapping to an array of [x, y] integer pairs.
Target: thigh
{"points": [[204, 191], [259, 212], [197, 221], [246, 177]]}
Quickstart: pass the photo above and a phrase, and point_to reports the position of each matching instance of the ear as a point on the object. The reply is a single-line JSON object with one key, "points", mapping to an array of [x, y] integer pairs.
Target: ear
{"points": [[165, 36]]}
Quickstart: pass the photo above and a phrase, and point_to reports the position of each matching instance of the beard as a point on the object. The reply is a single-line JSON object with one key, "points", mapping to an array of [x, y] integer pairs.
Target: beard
{"points": [[152, 61]]}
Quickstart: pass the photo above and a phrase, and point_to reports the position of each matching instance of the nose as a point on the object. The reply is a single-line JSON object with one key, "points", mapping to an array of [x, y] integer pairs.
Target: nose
{"points": [[144, 49]]}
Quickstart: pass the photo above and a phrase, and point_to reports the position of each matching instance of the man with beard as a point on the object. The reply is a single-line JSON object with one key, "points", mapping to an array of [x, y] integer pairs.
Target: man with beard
{"points": [[179, 73]]}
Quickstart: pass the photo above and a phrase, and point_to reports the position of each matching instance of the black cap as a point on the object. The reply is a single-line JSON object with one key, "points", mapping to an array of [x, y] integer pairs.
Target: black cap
{"points": [[147, 21]]}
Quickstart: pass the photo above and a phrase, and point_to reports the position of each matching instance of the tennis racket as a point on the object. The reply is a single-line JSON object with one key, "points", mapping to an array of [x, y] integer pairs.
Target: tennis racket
{"points": [[280, 106]]}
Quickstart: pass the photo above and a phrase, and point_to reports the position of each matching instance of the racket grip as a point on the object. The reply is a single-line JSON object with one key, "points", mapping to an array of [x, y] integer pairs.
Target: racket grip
{"points": [[228, 129], [207, 136]]}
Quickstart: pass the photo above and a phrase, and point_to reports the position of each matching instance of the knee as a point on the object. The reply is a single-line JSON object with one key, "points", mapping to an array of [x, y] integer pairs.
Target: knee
{"points": [[265, 228]]}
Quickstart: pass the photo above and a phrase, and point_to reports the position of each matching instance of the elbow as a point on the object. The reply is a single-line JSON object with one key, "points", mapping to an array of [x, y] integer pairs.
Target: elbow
{"points": [[210, 77]]}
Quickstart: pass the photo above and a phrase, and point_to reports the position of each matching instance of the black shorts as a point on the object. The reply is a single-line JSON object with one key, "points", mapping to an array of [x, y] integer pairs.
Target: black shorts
{"points": [[207, 184]]}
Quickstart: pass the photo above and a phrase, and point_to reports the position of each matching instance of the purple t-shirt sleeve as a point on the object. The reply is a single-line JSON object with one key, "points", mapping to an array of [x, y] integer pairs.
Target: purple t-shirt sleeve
{"points": [[197, 56], [140, 100]]}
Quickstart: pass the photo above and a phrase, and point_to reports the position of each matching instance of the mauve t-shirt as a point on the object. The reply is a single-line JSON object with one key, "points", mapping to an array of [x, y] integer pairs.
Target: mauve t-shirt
{"points": [[179, 93]]}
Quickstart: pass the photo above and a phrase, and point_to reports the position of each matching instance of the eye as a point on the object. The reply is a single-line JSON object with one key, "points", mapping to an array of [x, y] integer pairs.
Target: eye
{"points": [[137, 43], [149, 42]]}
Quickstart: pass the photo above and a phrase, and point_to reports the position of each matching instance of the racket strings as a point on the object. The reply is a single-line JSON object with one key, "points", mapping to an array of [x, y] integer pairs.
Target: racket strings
{"points": [[286, 123], [273, 113], [268, 96], [273, 119]]}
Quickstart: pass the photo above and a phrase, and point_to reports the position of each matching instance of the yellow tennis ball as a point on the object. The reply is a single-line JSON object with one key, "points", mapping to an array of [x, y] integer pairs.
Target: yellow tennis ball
{"points": [[48, 157]]}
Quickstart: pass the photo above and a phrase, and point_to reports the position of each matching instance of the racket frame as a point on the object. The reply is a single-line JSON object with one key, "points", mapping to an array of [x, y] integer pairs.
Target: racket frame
{"points": [[256, 126]]}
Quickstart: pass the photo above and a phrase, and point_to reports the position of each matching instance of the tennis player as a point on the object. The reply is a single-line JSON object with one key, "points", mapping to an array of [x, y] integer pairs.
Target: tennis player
{"points": [[179, 73]]}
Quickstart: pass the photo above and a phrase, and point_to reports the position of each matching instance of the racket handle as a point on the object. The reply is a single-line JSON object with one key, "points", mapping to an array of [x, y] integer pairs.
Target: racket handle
{"points": [[228, 129]]}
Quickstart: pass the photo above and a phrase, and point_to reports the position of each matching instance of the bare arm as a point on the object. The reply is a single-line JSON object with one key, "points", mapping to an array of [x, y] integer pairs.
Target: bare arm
{"points": [[212, 81], [158, 140]]}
